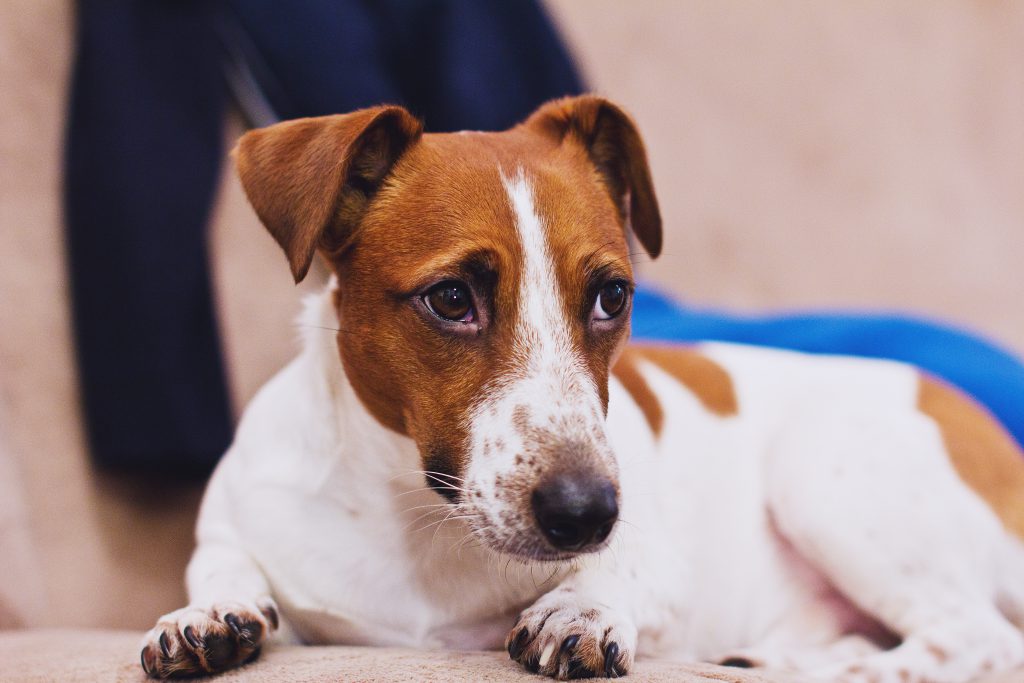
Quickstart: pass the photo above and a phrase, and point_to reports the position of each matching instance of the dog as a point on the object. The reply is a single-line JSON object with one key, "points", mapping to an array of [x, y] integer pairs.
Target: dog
{"points": [[468, 454]]}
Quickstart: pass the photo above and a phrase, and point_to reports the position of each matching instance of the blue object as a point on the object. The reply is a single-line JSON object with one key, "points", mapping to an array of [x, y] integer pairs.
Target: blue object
{"points": [[990, 374]]}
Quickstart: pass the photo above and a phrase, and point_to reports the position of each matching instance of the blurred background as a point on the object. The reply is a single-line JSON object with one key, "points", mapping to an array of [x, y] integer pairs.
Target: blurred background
{"points": [[860, 155]]}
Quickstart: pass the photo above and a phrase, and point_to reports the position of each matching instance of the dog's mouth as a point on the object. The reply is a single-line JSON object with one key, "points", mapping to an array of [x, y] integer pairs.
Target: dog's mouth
{"points": [[532, 547], [548, 530]]}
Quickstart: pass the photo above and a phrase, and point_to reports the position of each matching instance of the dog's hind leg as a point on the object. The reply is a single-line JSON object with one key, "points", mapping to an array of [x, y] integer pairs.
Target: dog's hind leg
{"points": [[874, 504]]}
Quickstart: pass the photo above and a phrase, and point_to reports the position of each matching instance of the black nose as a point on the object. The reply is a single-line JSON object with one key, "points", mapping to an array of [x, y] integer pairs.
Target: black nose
{"points": [[575, 510]]}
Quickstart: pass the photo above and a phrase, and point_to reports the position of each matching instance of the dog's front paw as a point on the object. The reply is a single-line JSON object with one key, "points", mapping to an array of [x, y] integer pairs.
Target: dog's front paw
{"points": [[202, 640], [564, 637]]}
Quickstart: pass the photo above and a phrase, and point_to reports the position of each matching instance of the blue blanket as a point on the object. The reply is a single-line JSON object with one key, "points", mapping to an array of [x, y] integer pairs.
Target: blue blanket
{"points": [[990, 374]]}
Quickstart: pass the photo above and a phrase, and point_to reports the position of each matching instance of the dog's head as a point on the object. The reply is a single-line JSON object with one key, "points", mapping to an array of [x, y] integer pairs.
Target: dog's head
{"points": [[484, 290]]}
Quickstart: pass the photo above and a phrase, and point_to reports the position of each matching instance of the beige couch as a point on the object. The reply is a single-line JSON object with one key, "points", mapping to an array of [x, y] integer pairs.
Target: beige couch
{"points": [[860, 154]]}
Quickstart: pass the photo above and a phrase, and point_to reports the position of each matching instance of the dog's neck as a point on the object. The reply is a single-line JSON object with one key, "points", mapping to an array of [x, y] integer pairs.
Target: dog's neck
{"points": [[379, 472], [370, 453]]}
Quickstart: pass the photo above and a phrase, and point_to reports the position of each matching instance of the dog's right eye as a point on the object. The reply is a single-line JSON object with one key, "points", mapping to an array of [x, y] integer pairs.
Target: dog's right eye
{"points": [[450, 300]]}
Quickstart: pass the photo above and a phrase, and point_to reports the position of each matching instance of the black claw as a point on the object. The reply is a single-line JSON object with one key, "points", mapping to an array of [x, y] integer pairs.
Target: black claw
{"points": [[242, 631], [737, 662], [611, 653], [271, 614], [569, 644], [164, 645], [145, 666], [192, 638], [518, 644], [234, 622]]}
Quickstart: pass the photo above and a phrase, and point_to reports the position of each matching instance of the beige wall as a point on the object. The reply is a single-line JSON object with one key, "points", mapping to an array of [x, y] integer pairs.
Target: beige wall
{"points": [[853, 153], [861, 154]]}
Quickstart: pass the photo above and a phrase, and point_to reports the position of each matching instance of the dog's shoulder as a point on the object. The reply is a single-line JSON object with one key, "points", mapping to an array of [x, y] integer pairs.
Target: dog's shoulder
{"points": [[688, 365]]}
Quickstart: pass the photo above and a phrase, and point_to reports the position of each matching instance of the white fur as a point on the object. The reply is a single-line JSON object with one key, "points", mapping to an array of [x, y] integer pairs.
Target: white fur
{"points": [[751, 535], [736, 528]]}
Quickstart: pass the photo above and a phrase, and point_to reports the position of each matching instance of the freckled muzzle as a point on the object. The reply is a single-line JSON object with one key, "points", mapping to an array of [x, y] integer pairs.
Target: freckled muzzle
{"points": [[575, 510]]}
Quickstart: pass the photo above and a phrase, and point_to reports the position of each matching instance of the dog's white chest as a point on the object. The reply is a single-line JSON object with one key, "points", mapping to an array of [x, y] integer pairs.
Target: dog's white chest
{"points": [[361, 583]]}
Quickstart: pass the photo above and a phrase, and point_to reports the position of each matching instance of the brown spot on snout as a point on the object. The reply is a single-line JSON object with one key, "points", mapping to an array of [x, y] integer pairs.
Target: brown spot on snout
{"points": [[940, 654]]}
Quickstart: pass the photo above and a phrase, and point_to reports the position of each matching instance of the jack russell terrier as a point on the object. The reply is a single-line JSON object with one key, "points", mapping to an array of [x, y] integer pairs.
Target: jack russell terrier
{"points": [[467, 453]]}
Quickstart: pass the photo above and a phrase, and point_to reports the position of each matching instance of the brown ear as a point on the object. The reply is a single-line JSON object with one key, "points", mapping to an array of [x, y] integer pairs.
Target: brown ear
{"points": [[614, 145], [310, 180]]}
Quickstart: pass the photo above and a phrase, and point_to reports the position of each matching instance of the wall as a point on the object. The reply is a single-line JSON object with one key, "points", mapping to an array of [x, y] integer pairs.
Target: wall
{"points": [[856, 154]]}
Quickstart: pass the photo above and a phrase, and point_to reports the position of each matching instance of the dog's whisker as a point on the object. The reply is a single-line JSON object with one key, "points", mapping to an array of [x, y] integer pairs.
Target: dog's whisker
{"points": [[442, 474], [428, 505], [634, 526], [426, 472], [450, 516], [430, 488], [325, 328], [445, 484], [505, 573], [412, 491], [422, 516], [463, 543], [550, 576]]}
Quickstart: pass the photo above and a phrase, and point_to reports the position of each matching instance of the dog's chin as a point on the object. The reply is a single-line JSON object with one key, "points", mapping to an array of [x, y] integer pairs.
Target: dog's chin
{"points": [[533, 548], [520, 541]]}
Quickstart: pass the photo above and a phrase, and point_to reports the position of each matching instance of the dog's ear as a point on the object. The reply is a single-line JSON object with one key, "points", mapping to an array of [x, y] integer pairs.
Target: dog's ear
{"points": [[310, 180], [614, 145]]}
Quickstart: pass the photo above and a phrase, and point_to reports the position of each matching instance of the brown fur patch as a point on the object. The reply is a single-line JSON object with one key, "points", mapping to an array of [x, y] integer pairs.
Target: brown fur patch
{"points": [[626, 371], [705, 378], [985, 456], [310, 180]]}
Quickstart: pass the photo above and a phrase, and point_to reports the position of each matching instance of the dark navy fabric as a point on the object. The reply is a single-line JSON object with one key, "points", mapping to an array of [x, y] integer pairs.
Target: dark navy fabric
{"points": [[990, 374], [142, 161], [143, 154], [456, 64]]}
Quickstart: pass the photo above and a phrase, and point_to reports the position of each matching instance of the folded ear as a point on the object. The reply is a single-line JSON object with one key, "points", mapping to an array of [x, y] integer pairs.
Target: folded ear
{"points": [[614, 145], [311, 180]]}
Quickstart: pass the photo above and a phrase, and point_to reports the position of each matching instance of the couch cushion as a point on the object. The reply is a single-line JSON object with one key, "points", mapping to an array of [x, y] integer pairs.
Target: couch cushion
{"points": [[70, 656], [93, 655]]}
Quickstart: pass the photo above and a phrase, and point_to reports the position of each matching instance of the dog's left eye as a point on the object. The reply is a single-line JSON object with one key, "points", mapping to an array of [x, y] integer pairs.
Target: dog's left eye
{"points": [[611, 300], [451, 301]]}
